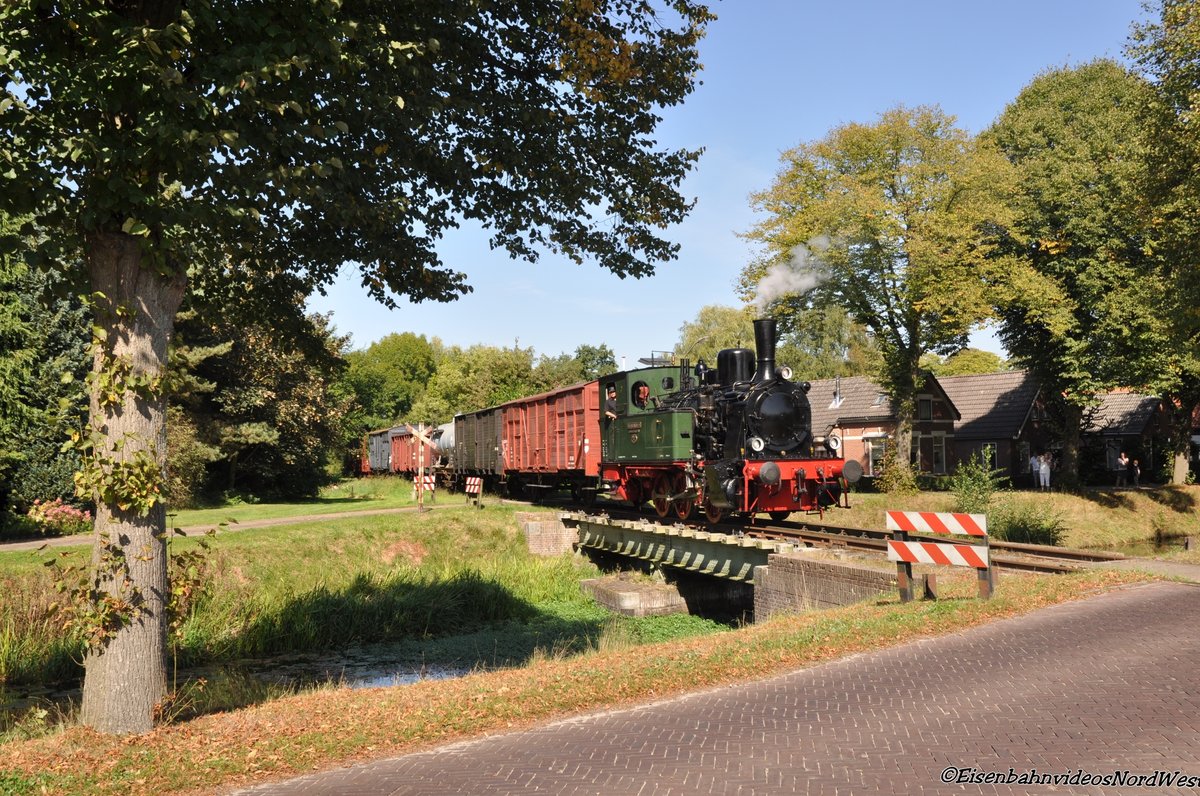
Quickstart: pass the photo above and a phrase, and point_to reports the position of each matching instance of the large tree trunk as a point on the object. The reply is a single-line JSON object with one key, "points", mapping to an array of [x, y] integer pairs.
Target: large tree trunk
{"points": [[1180, 409], [125, 673], [1068, 474]]}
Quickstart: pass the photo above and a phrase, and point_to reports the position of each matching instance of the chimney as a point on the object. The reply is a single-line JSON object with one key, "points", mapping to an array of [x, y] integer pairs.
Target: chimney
{"points": [[764, 342]]}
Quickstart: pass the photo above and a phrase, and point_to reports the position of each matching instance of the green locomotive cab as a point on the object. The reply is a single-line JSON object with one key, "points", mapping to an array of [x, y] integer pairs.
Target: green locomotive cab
{"points": [[641, 432]]}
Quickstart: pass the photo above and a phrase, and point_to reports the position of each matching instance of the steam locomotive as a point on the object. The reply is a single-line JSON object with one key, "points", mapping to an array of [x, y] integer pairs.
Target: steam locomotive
{"points": [[737, 439]]}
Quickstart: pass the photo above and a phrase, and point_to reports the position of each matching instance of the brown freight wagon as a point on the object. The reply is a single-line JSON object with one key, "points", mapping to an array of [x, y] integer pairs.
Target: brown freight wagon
{"points": [[409, 453], [552, 441], [477, 447]]}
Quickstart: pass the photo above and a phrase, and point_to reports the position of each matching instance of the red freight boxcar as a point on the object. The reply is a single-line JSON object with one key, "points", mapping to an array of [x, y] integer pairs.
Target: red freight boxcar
{"points": [[552, 440], [409, 452]]}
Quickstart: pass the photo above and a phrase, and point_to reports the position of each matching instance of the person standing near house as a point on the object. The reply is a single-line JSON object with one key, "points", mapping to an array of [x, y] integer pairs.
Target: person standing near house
{"points": [[1123, 468], [1044, 470], [1035, 464], [1135, 473]]}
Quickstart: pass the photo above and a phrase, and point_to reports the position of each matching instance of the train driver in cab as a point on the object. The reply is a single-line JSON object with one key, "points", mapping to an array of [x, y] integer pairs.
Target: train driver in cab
{"points": [[610, 403], [641, 396]]}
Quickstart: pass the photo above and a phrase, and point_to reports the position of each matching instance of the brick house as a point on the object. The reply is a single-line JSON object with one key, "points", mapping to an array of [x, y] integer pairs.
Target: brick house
{"points": [[1124, 421], [859, 414], [1002, 415]]}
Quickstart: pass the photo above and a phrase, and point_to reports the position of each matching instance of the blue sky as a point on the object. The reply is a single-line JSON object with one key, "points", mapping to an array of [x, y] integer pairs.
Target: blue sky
{"points": [[776, 74]]}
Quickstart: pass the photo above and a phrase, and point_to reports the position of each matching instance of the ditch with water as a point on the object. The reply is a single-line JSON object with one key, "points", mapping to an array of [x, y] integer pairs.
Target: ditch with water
{"points": [[206, 688]]}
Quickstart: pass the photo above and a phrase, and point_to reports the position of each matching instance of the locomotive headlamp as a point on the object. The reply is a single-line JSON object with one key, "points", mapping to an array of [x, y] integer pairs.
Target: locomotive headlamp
{"points": [[757, 444], [833, 443], [786, 372]]}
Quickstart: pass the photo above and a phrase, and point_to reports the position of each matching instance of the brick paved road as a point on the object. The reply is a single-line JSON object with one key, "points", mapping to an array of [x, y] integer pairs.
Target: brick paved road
{"points": [[1109, 683]]}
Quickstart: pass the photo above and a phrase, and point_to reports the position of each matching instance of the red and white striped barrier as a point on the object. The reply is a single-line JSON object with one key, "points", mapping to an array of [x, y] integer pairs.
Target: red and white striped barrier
{"points": [[960, 555], [474, 486], [937, 522], [428, 483]]}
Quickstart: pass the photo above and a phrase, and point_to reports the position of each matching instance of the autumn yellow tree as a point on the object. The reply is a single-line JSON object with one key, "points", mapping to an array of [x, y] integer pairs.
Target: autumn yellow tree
{"points": [[898, 223]]}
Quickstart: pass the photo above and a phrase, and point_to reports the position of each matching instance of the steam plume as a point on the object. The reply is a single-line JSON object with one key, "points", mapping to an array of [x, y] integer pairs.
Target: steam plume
{"points": [[800, 274]]}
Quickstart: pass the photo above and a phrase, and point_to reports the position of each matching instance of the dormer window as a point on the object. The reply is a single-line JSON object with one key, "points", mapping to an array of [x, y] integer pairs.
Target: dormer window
{"points": [[881, 399]]}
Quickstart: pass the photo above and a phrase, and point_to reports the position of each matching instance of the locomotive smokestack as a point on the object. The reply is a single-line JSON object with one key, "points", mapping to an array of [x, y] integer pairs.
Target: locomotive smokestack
{"points": [[764, 342]]}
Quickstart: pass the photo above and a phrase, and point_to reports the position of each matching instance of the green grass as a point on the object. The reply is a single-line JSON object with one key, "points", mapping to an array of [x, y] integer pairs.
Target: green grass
{"points": [[1101, 518], [453, 588], [384, 492]]}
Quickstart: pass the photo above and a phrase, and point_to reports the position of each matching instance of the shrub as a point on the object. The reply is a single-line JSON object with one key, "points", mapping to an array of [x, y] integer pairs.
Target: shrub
{"points": [[44, 472], [974, 483], [187, 460], [898, 477], [1027, 523], [56, 518]]}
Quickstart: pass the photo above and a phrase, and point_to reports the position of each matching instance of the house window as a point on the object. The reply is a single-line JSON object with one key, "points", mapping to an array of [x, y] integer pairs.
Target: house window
{"points": [[924, 408], [875, 451], [939, 453], [1024, 452]]}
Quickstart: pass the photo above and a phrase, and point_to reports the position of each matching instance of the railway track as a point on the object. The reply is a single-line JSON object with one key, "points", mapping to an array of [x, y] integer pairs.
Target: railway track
{"points": [[1012, 556]]}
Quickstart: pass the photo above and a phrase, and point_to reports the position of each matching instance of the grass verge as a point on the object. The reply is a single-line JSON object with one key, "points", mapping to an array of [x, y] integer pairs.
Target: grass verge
{"points": [[360, 494], [333, 727], [1099, 518]]}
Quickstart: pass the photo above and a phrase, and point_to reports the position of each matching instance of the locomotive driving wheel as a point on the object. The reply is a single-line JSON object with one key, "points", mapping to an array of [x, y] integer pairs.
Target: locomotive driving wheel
{"points": [[660, 495], [713, 514], [685, 503]]}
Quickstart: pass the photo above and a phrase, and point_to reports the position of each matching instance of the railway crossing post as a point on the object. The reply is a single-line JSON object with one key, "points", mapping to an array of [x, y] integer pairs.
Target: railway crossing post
{"points": [[420, 485], [905, 552], [904, 572], [474, 487]]}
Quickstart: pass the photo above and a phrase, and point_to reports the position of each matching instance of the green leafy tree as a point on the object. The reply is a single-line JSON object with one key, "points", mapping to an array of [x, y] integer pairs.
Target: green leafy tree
{"points": [[388, 375], [475, 378], [43, 336], [898, 223], [821, 342], [557, 371], [1165, 49], [263, 402], [716, 327], [1084, 320], [595, 360], [586, 364], [253, 149], [967, 362]]}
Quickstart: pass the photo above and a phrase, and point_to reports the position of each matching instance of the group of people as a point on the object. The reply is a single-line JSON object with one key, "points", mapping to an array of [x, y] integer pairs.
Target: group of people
{"points": [[1129, 472], [1039, 467], [641, 398]]}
